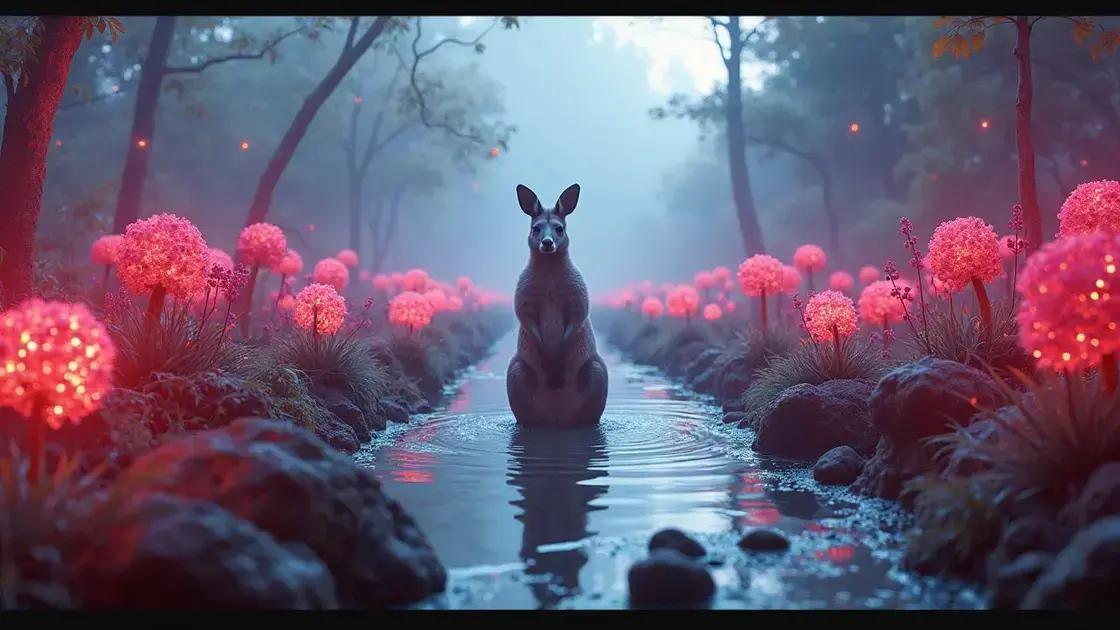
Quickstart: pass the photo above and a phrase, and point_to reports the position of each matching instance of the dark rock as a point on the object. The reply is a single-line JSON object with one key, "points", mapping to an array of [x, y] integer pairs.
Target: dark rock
{"points": [[733, 404], [734, 416], [393, 410], [421, 406], [293, 486], [733, 381], [376, 421], [839, 466], [338, 434], [705, 382], [1100, 496], [750, 422], [884, 474], [667, 579], [763, 539], [1086, 574], [1010, 583], [345, 410], [166, 552], [806, 420], [926, 397], [678, 541]]}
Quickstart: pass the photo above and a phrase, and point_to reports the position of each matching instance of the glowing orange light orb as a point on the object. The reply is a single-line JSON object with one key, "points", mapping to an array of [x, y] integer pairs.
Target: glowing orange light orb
{"points": [[854, 127], [985, 123], [142, 143], [244, 145], [495, 152]]}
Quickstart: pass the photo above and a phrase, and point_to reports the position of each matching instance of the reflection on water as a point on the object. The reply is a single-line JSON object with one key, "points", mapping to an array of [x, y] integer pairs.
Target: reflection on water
{"points": [[532, 518], [550, 469]]}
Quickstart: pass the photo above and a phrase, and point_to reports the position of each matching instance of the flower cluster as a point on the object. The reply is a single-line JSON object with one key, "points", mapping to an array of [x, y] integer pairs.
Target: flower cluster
{"points": [[228, 282], [809, 257], [104, 249], [331, 271], [830, 313], [262, 244], [791, 279], [682, 301], [437, 298], [721, 274], [348, 257], [415, 280], [56, 359], [220, 258], [1069, 317], [963, 249], [652, 307], [290, 265], [704, 280], [410, 309], [760, 273], [712, 312], [320, 308], [841, 281], [879, 303], [1092, 206], [163, 251], [868, 274]]}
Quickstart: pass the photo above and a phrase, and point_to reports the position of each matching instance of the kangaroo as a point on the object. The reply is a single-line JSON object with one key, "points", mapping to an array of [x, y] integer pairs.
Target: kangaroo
{"points": [[556, 378]]}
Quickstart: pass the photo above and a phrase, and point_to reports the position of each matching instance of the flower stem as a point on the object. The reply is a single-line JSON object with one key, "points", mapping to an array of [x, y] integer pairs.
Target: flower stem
{"points": [[247, 307], [35, 448], [762, 311], [1108, 371], [985, 307], [836, 351], [155, 303]]}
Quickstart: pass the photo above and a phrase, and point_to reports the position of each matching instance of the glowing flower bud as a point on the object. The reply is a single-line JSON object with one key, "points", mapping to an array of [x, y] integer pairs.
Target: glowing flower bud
{"points": [[331, 271], [828, 313], [320, 308], [262, 244]]}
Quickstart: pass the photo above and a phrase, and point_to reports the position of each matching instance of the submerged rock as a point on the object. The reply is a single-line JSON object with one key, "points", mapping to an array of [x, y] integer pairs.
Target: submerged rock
{"points": [[764, 539], [298, 489], [838, 466], [678, 541], [805, 421], [166, 552], [667, 579], [1086, 574]]}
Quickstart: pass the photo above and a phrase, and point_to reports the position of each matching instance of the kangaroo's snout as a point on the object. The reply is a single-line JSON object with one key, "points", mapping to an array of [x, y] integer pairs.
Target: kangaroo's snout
{"points": [[547, 245]]}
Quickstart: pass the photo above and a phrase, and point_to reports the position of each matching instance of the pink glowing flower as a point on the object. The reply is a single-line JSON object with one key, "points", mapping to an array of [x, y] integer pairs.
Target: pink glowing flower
{"points": [[56, 361], [868, 274], [381, 282], [728, 306], [1069, 316], [760, 273], [704, 280], [348, 257], [829, 314], [809, 257], [165, 252], [1006, 246], [262, 244], [286, 302], [220, 258], [1092, 206], [791, 279], [331, 271], [464, 284], [963, 249], [104, 249], [652, 307], [415, 280], [841, 281], [454, 304], [721, 274], [410, 309], [320, 308], [712, 312], [682, 301], [879, 306], [437, 298], [290, 265]]}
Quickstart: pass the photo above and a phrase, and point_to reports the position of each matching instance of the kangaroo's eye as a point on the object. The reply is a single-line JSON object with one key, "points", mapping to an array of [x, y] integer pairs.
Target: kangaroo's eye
{"points": [[536, 229], [559, 229]]}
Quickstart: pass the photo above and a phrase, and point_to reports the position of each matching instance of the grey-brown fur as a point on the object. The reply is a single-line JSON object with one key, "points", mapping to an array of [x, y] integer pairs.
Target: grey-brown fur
{"points": [[557, 377]]}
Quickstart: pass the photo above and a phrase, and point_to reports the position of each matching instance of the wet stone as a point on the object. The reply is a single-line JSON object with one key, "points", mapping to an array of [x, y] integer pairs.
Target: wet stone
{"points": [[678, 541], [763, 539], [735, 416], [839, 466], [667, 579]]}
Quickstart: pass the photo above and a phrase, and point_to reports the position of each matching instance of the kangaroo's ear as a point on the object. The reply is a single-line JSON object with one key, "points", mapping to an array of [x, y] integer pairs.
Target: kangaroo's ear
{"points": [[566, 204], [530, 205]]}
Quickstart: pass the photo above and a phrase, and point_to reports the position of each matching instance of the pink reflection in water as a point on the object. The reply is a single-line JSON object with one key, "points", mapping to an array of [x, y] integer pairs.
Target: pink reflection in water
{"points": [[758, 512], [837, 554], [462, 401], [411, 467], [655, 394]]}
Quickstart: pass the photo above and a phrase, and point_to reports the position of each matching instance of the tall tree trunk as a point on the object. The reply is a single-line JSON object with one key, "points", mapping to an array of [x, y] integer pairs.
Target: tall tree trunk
{"points": [[354, 181], [28, 126], [136, 161], [262, 199], [749, 229], [385, 239], [829, 206], [1028, 189]]}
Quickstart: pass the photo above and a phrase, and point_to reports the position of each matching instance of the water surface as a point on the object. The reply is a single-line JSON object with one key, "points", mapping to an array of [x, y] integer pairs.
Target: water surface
{"points": [[531, 518]]}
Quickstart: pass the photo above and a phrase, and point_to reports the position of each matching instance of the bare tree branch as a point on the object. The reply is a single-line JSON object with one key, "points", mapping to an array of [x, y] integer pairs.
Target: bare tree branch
{"points": [[350, 34], [234, 57], [715, 35], [422, 105], [371, 145]]}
